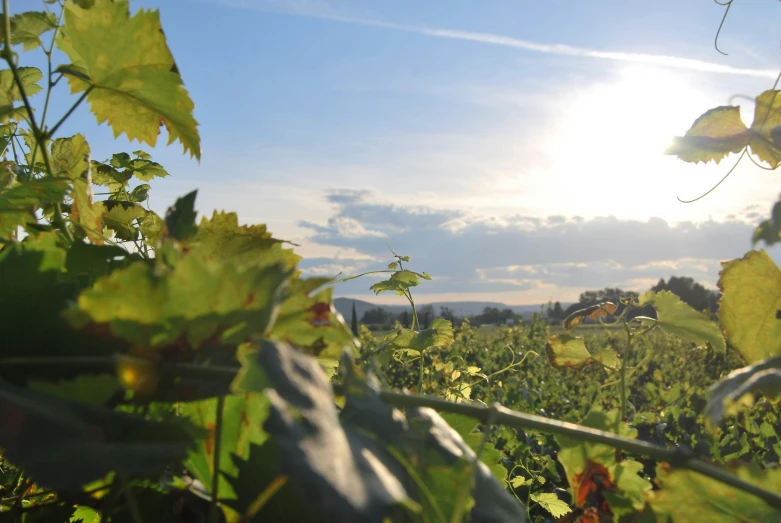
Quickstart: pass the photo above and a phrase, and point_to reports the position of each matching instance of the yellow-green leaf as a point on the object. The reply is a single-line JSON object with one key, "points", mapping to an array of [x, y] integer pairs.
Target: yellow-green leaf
{"points": [[564, 350], [750, 305], [27, 28], [120, 216], [689, 496], [551, 502], [9, 91], [125, 63], [86, 214], [70, 156], [766, 129], [713, 136], [678, 318]]}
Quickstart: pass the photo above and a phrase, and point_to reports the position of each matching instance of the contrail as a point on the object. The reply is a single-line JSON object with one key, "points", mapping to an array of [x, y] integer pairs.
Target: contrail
{"points": [[674, 62]]}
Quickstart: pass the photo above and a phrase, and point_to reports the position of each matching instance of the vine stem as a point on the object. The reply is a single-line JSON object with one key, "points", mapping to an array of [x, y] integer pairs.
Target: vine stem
{"points": [[214, 509], [39, 136], [495, 414]]}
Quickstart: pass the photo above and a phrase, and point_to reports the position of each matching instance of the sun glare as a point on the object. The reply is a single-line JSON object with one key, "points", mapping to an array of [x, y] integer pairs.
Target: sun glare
{"points": [[608, 147]]}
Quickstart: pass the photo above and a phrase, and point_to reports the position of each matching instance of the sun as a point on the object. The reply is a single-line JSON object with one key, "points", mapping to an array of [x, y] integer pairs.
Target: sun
{"points": [[607, 149]]}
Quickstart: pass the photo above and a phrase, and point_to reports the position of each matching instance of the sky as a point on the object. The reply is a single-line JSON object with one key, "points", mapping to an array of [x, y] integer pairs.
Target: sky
{"points": [[512, 148]]}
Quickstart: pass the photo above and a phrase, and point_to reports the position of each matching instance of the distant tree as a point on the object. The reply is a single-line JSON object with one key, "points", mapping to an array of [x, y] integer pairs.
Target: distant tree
{"points": [[425, 315], [556, 313], [405, 319], [377, 316], [690, 292], [494, 316], [354, 322], [448, 314]]}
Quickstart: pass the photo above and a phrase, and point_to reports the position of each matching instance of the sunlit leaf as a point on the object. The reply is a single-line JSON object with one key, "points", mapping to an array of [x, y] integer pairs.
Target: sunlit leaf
{"points": [[399, 282], [439, 334], [125, 63], [688, 496], [679, 319], [564, 350], [551, 502], [713, 136], [749, 310]]}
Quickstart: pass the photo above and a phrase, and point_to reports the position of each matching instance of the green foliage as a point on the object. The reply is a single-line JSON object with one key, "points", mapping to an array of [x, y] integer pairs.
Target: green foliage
{"points": [[165, 369]]}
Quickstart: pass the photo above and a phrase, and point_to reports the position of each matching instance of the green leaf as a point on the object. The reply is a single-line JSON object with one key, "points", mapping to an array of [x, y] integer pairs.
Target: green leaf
{"points": [[9, 92], [242, 419], [551, 502], [180, 218], [765, 134], [714, 135], [399, 282], [308, 320], [152, 228], [440, 334], [64, 444], [27, 28], [128, 68], [466, 427], [19, 203], [92, 260], [737, 389], [367, 461], [194, 299], [120, 217], [594, 312], [85, 214], [594, 469], [70, 157], [564, 350], [94, 390], [678, 318], [689, 496], [140, 193], [748, 310], [222, 238]]}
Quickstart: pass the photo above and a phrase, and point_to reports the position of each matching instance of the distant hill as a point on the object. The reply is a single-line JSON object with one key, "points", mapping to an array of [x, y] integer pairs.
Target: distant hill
{"points": [[459, 308]]}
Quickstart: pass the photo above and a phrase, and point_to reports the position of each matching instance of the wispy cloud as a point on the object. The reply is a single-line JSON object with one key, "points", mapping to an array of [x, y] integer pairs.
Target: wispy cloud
{"points": [[315, 9]]}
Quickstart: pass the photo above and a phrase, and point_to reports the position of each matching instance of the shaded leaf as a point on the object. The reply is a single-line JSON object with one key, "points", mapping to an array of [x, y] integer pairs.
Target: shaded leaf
{"points": [[679, 319], [94, 390], [748, 311], [126, 64], [714, 135], [593, 312], [180, 218], [64, 444], [92, 260], [18, 204], [242, 420]]}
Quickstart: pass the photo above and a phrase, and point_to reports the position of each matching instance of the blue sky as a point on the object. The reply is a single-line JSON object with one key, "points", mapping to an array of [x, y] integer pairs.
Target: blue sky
{"points": [[512, 148]]}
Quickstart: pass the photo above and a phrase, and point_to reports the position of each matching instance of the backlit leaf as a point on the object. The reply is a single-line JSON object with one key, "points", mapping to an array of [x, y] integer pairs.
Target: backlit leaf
{"points": [[766, 138], [9, 92], [749, 310], [86, 214], [120, 217], [713, 136], [678, 318], [27, 28], [593, 312], [18, 204], [399, 282], [126, 64], [439, 334]]}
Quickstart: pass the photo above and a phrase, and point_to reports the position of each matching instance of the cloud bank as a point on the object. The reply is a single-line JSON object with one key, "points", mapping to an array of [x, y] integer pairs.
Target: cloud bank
{"points": [[521, 257]]}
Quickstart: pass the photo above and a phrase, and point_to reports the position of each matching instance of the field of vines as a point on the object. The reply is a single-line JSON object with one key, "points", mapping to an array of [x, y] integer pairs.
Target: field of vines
{"points": [[180, 368]]}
